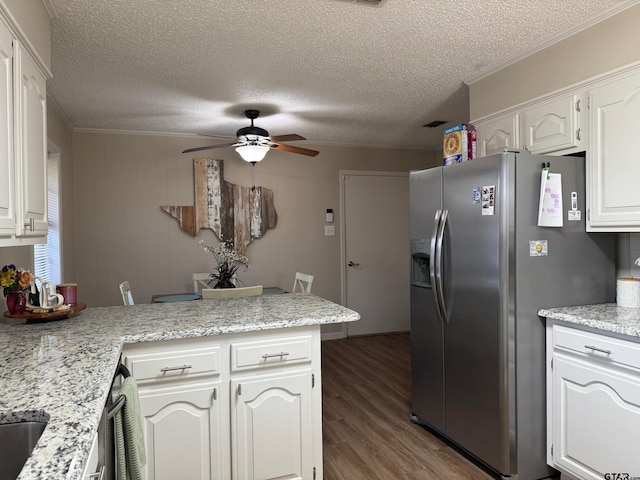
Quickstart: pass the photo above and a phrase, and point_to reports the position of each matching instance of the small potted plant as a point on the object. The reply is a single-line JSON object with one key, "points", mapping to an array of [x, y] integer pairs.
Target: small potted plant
{"points": [[15, 282], [228, 261]]}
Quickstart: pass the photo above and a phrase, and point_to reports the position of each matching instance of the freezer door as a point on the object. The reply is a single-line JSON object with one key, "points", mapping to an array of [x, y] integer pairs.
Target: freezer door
{"points": [[427, 398], [476, 196]]}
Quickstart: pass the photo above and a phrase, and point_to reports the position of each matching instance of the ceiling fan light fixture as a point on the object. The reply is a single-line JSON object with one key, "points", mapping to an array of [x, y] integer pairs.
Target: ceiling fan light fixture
{"points": [[252, 153]]}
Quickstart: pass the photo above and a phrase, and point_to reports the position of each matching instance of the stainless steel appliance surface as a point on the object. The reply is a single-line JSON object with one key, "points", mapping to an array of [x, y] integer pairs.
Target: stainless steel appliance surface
{"points": [[481, 270]]}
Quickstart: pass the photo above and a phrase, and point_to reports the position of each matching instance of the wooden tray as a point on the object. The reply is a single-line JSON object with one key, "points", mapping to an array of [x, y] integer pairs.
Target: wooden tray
{"points": [[28, 317]]}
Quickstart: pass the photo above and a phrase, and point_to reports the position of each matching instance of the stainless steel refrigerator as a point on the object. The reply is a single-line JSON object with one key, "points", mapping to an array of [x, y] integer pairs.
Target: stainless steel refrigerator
{"points": [[481, 269]]}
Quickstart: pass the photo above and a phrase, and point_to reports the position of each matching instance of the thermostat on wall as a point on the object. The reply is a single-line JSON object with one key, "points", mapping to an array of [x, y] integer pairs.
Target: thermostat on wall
{"points": [[329, 215]]}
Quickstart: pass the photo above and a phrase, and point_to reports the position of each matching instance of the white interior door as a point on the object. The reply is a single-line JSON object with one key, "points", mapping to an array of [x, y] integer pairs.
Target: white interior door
{"points": [[376, 250]]}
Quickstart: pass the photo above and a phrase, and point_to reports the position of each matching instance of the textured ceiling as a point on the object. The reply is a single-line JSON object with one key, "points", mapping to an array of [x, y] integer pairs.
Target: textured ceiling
{"points": [[334, 71]]}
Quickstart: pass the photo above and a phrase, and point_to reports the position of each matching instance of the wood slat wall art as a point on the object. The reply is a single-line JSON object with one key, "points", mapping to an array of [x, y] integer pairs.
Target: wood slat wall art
{"points": [[231, 211]]}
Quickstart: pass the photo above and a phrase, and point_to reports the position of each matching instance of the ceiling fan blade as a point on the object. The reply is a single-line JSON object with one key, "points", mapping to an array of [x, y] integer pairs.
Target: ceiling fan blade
{"points": [[197, 149], [292, 149], [228, 137], [292, 137]]}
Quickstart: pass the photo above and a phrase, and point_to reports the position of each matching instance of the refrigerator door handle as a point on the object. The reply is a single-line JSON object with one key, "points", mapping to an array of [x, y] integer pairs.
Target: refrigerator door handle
{"points": [[439, 290], [433, 269]]}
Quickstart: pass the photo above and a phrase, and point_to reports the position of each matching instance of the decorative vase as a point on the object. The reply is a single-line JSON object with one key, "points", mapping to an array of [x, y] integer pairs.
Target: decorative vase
{"points": [[224, 284], [16, 302]]}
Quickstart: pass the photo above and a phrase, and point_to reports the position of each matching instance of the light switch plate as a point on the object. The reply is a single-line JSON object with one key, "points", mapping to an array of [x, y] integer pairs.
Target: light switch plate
{"points": [[329, 230]]}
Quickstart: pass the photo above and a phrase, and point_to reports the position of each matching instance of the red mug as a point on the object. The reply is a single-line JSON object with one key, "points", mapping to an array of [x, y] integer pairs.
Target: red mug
{"points": [[69, 291]]}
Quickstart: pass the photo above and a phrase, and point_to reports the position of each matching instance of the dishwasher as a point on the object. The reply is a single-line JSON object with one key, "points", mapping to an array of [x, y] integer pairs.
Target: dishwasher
{"points": [[106, 454]]}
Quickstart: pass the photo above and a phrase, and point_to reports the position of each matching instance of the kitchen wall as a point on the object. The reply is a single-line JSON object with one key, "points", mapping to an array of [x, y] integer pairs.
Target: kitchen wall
{"points": [[61, 137], [113, 229], [34, 21], [120, 181], [603, 47], [628, 253]]}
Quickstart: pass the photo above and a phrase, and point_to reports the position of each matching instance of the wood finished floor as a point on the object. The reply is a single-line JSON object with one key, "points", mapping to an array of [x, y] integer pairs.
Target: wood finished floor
{"points": [[367, 433]]}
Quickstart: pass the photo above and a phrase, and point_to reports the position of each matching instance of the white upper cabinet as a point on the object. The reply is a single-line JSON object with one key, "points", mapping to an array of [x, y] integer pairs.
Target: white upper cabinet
{"points": [[497, 134], [23, 142], [597, 116], [555, 125], [30, 145], [613, 175], [7, 208]]}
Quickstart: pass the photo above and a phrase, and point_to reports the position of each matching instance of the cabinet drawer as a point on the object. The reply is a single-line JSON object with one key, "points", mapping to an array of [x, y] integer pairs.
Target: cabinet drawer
{"points": [[609, 349], [174, 364], [270, 353]]}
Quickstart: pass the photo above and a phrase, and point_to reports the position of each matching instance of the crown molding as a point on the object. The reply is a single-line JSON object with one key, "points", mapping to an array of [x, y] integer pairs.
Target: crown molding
{"points": [[51, 8], [622, 6], [51, 103]]}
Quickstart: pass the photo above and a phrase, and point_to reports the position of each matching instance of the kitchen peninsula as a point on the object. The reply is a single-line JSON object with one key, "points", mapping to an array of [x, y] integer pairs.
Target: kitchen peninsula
{"points": [[62, 371]]}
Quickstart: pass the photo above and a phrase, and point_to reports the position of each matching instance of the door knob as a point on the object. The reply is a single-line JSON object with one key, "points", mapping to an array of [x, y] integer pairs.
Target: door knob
{"points": [[353, 264]]}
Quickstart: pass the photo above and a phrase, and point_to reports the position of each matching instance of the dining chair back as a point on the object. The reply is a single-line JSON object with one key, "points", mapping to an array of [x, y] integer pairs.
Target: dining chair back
{"points": [[209, 293], [302, 283], [125, 291], [200, 281]]}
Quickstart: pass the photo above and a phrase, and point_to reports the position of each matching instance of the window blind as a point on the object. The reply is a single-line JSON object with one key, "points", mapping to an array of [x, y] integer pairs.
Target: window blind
{"points": [[46, 259]]}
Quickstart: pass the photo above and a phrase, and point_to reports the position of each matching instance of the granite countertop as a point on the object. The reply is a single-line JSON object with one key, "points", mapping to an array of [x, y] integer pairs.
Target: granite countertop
{"points": [[608, 317], [61, 371]]}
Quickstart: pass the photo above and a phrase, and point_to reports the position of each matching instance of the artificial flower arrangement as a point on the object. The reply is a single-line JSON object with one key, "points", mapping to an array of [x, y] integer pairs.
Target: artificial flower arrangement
{"points": [[14, 282], [228, 261], [14, 279]]}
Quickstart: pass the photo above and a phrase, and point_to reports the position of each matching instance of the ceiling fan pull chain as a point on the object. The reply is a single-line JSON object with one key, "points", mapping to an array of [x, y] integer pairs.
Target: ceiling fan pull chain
{"points": [[253, 176]]}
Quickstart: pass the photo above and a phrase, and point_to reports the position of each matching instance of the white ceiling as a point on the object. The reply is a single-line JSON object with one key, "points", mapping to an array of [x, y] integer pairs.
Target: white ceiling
{"points": [[333, 71]]}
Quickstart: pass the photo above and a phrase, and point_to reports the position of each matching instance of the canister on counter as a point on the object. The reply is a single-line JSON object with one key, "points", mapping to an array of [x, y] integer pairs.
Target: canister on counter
{"points": [[69, 291], [628, 292]]}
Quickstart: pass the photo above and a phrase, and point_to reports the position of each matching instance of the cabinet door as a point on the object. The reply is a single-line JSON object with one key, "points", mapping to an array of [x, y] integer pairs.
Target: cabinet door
{"points": [[30, 112], [553, 126], [7, 208], [596, 419], [497, 134], [92, 470], [184, 432], [613, 164], [272, 427]]}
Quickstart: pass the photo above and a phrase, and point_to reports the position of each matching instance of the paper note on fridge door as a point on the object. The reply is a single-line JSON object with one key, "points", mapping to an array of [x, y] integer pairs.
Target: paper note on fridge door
{"points": [[550, 206]]}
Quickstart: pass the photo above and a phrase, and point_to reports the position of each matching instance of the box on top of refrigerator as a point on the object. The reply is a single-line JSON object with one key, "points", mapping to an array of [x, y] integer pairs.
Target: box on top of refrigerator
{"points": [[458, 144]]}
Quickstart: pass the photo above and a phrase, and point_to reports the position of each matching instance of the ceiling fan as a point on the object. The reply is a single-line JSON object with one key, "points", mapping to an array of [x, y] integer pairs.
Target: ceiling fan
{"points": [[252, 143]]}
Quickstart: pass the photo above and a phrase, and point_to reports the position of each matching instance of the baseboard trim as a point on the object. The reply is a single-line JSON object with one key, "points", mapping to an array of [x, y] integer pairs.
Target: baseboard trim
{"points": [[331, 336]]}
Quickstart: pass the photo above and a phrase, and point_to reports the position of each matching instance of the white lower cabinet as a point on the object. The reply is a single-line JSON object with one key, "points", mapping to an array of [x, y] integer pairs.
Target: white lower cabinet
{"points": [[272, 427], [242, 406], [183, 433], [593, 404]]}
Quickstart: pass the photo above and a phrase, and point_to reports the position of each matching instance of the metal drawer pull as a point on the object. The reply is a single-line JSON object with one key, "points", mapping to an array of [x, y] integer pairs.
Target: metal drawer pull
{"points": [[169, 369], [596, 349], [271, 355], [31, 225], [98, 475]]}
